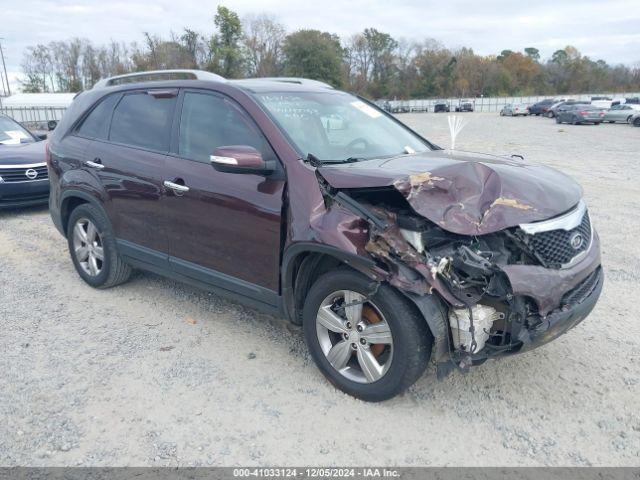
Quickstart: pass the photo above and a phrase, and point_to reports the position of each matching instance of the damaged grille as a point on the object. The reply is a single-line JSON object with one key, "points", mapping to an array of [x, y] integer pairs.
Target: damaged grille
{"points": [[583, 290], [556, 248]]}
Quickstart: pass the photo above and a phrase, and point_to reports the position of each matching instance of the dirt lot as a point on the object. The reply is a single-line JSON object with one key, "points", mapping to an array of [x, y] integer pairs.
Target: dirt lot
{"points": [[157, 373]]}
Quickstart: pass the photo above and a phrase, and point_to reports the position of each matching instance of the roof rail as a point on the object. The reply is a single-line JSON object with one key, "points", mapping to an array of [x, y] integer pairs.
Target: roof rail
{"points": [[157, 75], [297, 80]]}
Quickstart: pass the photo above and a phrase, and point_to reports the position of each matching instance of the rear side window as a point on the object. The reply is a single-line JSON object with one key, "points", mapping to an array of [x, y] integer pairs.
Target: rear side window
{"points": [[210, 121], [96, 125], [142, 120]]}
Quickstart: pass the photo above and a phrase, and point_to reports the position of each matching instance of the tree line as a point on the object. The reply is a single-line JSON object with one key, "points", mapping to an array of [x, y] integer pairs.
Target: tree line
{"points": [[371, 62]]}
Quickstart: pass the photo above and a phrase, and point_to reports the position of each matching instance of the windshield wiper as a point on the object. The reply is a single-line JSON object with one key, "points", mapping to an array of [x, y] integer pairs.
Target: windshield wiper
{"points": [[316, 162]]}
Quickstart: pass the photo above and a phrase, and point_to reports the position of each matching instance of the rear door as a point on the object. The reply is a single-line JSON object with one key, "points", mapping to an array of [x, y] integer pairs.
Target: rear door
{"points": [[225, 229], [613, 114], [565, 112], [623, 113], [129, 164]]}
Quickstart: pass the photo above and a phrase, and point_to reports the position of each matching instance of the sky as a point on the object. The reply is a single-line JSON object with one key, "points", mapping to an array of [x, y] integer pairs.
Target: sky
{"points": [[601, 29]]}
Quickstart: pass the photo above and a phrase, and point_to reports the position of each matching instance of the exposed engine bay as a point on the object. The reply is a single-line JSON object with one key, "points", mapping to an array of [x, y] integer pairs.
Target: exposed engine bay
{"points": [[473, 274]]}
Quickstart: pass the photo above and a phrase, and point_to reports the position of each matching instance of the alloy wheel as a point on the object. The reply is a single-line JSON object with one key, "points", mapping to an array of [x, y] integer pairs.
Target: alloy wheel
{"points": [[87, 247], [354, 336]]}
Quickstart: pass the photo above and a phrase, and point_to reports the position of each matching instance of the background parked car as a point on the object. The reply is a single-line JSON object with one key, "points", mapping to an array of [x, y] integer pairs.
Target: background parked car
{"points": [[441, 107], [551, 111], [540, 108], [579, 114], [620, 113], [465, 106], [514, 109], [24, 179]]}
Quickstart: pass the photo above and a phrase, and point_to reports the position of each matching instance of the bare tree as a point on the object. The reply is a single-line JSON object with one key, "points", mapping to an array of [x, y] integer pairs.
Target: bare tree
{"points": [[372, 62], [262, 41]]}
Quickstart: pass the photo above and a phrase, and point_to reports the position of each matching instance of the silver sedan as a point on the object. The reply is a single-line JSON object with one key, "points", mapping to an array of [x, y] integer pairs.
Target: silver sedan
{"points": [[620, 113], [515, 109]]}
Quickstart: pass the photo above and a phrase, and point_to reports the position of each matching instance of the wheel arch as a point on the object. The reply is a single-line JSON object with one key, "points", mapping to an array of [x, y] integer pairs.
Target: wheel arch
{"points": [[70, 200], [304, 262]]}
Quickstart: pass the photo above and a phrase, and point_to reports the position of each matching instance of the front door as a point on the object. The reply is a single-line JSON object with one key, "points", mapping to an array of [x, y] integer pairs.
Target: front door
{"points": [[222, 228]]}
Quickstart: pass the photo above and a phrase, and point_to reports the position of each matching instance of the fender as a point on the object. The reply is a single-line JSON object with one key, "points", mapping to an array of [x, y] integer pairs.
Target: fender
{"points": [[60, 213], [364, 265], [79, 180]]}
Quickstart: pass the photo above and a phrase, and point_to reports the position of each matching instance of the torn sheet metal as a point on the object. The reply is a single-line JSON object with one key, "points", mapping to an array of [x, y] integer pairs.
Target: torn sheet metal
{"points": [[467, 194]]}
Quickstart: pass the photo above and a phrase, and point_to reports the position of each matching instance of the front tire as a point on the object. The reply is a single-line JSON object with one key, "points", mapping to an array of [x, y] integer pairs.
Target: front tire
{"points": [[372, 344], [92, 246]]}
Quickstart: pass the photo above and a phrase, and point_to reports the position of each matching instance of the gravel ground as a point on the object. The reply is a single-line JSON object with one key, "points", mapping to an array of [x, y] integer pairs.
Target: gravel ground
{"points": [[157, 373]]}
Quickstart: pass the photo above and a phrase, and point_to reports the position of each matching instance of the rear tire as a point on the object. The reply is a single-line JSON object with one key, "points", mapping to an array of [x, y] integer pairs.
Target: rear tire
{"points": [[636, 122], [550, 114], [408, 339], [92, 246]]}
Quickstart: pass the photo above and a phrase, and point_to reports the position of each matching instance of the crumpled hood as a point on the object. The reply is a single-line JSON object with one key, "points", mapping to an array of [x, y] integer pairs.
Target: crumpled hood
{"points": [[465, 193], [22, 154]]}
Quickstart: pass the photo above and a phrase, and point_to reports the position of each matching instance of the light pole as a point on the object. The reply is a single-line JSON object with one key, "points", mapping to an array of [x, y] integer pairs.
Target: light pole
{"points": [[4, 67]]}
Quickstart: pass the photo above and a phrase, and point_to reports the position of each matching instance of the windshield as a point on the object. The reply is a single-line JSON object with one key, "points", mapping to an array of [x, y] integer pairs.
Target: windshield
{"points": [[336, 126], [12, 133]]}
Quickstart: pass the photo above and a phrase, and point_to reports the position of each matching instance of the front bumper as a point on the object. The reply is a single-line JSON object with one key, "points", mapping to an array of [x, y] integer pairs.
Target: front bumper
{"points": [[24, 194], [546, 286], [565, 318]]}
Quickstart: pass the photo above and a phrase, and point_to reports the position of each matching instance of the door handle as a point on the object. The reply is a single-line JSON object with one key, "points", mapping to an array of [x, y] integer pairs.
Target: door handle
{"points": [[176, 187], [97, 163]]}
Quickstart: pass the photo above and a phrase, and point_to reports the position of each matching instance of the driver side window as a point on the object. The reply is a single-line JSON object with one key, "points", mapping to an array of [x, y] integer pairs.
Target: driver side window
{"points": [[209, 121]]}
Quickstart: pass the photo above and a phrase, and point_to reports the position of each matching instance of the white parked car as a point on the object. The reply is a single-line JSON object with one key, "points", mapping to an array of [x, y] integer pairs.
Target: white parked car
{"points": [[514, 109]]}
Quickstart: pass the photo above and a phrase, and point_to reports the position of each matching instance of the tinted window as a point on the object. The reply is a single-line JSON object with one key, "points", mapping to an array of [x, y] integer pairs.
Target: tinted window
{"points": [[210, 121], [96, 125], [141, 120]]}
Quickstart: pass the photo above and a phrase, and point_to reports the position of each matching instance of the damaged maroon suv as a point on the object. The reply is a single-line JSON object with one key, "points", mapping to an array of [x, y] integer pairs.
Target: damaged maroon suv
{"points": [[314, 204]]}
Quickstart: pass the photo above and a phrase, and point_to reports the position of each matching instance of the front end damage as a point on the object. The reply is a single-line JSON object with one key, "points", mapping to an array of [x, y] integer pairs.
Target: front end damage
{"points": [[502, 290]]}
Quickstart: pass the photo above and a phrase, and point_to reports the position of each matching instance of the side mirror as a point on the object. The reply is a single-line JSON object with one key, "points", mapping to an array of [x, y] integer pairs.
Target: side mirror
{"points": [[41, 136], [240, 159]]}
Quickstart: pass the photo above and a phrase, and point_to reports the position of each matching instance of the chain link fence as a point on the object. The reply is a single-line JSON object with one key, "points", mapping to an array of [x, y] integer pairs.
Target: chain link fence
{"points": [[487, 104], [40, 115], [34, 117]]}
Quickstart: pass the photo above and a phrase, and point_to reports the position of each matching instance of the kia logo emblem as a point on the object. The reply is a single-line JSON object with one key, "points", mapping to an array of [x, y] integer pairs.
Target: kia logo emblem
{"points": [[31, 174], [576, 241]]}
